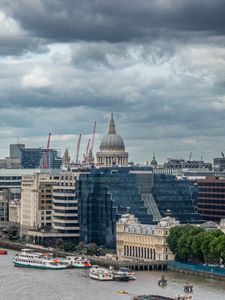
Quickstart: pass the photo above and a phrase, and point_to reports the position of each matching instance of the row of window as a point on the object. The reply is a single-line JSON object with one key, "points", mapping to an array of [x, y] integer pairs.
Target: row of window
{"points": [[140, 252]]}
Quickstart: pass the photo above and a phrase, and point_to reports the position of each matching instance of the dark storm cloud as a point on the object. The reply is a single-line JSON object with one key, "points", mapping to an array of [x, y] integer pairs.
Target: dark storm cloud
{"points": [[116, 21]]}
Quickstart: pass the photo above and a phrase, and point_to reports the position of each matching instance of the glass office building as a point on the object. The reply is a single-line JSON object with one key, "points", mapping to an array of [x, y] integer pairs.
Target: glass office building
{"points": [[176, 198], [103, 195]]}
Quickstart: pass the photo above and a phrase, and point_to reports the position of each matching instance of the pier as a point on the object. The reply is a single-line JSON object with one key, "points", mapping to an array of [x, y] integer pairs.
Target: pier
{"points": [[136, 266]]}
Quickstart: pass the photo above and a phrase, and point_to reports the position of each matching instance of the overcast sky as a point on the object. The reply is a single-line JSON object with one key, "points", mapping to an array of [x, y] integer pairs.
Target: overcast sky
{"points": [[159, 65]]}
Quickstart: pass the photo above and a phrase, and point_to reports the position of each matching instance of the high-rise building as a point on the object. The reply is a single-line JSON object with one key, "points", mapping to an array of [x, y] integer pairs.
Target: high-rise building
{"points": [[112, 149], [211, 198]]}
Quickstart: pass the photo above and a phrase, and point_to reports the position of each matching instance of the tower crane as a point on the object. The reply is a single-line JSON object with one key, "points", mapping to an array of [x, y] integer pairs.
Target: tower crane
{"points": [[93, 137], [46, 155], [78, 149], [87, 149]]}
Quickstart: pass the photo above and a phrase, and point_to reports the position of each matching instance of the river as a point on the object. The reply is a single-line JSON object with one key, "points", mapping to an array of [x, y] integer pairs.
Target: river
{"points": [[73, 284]]}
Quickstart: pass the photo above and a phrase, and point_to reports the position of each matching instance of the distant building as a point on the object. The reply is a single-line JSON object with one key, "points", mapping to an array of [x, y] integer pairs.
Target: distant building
{"points": [[211, 198], [143, 242], [189, 164], [112, 149], [15, 150], [32, 158], [219, 164]]}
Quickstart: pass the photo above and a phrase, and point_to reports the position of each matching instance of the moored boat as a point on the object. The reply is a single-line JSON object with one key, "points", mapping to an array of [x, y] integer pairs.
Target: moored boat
{"points": [[120, 276], [158, 297], [101, 274], [27, 258], [129, 272], [76, 262], [3, 252]]}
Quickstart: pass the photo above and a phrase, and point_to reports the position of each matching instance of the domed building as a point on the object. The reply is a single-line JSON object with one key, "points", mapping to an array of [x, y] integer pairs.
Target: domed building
{"points": [[112, 149]]}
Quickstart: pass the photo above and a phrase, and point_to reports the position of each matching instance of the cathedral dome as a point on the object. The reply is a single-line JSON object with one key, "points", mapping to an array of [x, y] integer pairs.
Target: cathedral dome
{"points": [[112, 140]]}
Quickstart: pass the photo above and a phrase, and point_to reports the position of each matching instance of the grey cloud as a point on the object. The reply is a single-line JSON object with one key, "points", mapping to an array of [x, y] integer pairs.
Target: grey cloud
{"points": [[117, 21]]}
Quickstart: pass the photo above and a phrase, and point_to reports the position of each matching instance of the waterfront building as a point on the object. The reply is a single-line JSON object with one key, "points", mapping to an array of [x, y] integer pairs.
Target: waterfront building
{"points": [[4, 200], [105, 194], [211, 198], [14, 211], [65, 205], [187, 164], [176, 198], [112, 149], [138, 241], [49, 207], [36, 202]]}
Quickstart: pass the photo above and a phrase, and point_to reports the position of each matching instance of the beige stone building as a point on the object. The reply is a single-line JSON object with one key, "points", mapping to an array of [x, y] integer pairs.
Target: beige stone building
{"points": [[143, 242], [112, 149], [14, 211], [36, 202]]}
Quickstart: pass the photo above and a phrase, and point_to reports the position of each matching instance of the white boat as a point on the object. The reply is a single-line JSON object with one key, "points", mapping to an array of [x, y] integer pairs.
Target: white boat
{"points": [[30, 259], [99, 273], [76, 262], [129, 272]]}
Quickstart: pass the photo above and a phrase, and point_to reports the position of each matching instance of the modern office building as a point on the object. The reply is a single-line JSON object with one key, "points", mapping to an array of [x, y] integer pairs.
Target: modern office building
{"points": [[65, 205], [15, 150], [112, 149], [211, 198], [176, 198], [33, 158], [141, 241], [104, 194]]}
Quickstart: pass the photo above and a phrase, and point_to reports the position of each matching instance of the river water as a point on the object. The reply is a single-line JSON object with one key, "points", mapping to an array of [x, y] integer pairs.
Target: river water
{"points": [[73, 284]]}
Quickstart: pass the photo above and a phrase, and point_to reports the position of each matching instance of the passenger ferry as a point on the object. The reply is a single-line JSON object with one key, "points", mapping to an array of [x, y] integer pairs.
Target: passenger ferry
{"points": [[76, 262], [30, 259], [99, 273]]}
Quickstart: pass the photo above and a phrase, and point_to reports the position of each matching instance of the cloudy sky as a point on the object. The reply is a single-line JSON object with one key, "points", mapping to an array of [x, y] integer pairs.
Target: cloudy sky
{"points": [[159, 65]]}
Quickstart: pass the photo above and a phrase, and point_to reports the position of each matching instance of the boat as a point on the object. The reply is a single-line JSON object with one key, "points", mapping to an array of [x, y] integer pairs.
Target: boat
{"points": [[3, 252], [100, 273], [120, 276], [29, 259], [129, 272], [81, 263], [158, 297], [76, 262], [122, 292]]}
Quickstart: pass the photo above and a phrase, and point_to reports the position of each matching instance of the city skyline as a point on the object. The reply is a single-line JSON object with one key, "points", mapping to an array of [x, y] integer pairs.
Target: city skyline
{"points": [[158, 65]]}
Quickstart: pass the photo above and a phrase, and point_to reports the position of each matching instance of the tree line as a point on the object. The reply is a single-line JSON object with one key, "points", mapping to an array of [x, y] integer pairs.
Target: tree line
{"points": [[191, 243]]}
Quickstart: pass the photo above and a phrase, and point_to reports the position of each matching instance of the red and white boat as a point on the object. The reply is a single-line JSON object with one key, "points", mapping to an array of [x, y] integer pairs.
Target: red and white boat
{"points": [[3, 252]]}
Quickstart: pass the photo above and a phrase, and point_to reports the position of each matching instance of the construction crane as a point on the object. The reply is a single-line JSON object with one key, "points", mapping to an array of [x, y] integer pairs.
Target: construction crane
{"points": [[46, 155], [190, 156], [87, 149], [78, 149], [93, 137]]}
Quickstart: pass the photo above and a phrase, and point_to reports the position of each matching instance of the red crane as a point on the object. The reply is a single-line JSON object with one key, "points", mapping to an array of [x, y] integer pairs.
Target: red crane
{"points": [[46, 155]]}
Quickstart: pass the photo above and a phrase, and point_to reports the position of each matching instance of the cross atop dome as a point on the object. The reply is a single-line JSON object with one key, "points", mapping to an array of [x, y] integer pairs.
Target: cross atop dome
{"points": [[112, 129]]}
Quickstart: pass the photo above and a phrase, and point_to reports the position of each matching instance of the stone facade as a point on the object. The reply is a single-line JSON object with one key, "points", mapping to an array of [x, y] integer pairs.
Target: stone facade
{"points": [[143, 242]]}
